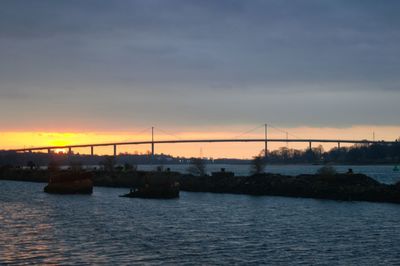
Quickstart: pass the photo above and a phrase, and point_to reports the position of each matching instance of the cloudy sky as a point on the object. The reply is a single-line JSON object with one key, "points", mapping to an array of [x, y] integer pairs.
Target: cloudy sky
{"points": [[124, 65]]}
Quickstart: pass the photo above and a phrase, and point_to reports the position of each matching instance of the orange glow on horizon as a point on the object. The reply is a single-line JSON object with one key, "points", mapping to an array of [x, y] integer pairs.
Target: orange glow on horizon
{"points": [[61, 151], [13, 140]]}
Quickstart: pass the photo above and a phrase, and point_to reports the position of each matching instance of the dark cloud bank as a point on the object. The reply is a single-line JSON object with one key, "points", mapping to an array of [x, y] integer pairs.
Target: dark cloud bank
{"points": [[185, 63]]}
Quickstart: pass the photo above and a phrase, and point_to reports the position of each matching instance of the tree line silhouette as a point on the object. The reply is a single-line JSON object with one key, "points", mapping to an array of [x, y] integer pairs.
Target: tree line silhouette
{"points": [[356, 154]]}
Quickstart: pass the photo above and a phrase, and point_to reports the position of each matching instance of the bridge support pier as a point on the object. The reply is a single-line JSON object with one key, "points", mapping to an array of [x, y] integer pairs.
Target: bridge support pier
{"points": [[338, 145], [266, 141], [69, 150], [91, 150], [115, 150], [152, 143], [310, 145], [48, 151]]}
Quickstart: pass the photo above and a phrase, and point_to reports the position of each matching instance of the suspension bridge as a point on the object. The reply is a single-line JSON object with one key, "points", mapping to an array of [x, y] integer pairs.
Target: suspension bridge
{"points": [[152, 142]]}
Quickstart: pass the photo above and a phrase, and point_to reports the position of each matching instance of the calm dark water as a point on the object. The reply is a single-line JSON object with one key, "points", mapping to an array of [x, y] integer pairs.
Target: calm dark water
{"points": [[198, 228]]}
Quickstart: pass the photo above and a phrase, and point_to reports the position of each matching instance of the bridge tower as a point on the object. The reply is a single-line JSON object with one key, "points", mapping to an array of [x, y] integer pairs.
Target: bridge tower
{"points": [[266, 141], [152, 142]]}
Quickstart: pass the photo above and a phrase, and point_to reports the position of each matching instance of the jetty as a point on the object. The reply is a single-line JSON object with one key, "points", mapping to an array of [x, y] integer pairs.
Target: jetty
{"points": [[163, 184]]}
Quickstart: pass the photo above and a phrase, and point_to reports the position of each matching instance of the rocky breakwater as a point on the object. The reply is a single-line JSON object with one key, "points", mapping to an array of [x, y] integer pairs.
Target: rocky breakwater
{"points": [[337, 187], [161, 185], [334, 186], [19, 174]]}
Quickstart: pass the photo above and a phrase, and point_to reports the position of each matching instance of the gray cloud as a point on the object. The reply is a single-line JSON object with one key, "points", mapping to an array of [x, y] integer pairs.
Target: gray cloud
{"points": [[220, 62]]}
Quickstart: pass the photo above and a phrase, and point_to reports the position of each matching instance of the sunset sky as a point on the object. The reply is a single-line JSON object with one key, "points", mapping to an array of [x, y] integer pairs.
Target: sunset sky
{"points": [[99, 71]]}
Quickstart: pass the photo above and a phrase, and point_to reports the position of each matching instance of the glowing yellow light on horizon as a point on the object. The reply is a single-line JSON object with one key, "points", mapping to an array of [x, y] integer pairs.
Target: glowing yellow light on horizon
{"points": [[59, 142], [15, 140], [60, 151]]}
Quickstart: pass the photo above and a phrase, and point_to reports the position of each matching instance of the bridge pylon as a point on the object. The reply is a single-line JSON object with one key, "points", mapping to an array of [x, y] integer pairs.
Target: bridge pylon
{"points": [[266, 141], [152, 142]]}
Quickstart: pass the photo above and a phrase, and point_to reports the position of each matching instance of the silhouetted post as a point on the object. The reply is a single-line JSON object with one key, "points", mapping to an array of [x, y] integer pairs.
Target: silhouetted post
{"points": [[69, 150], [152, 142], [309, 145], [91, 150], [266, 141], [338, 145], [287, 142], [115, 150], [48, 151]]}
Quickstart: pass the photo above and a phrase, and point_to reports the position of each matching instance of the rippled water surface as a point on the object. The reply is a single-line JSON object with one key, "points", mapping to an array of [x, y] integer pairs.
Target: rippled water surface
{"points": [[198, 228]]}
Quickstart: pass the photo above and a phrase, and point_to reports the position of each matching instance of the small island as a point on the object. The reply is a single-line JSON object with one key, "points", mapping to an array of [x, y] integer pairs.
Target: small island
{"points": [[70, 182], [158, 185]]}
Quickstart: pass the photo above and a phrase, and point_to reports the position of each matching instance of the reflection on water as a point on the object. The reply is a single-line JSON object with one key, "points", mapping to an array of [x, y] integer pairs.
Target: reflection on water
{"points": [[202, 228]]}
